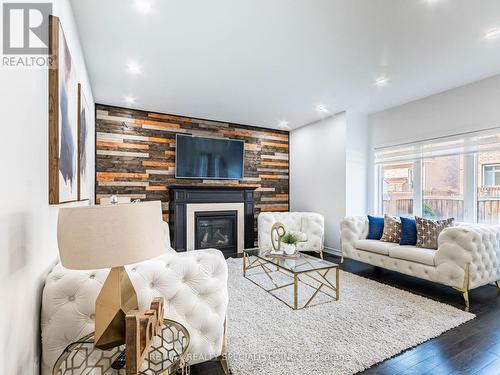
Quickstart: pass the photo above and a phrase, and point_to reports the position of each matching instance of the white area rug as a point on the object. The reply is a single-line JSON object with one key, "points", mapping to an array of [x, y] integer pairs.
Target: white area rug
{"points": [[371, 322]]}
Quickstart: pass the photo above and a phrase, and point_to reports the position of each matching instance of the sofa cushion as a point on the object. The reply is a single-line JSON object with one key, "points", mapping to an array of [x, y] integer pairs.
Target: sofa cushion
{"points": [[374, 246], [392, 229], [408, 231], [413, 254], [428, 231], [375, 227]]}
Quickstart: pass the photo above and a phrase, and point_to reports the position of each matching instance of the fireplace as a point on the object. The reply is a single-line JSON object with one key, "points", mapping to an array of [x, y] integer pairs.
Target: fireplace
{"points": [[204, 216], [216, 229]]}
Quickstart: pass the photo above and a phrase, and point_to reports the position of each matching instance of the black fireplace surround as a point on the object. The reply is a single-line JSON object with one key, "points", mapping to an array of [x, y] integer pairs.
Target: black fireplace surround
{"points": [[213, 229]]}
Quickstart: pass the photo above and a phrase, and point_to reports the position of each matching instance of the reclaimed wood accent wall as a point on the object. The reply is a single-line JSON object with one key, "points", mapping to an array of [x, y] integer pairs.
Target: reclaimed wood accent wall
{"points": [[135, 157]]}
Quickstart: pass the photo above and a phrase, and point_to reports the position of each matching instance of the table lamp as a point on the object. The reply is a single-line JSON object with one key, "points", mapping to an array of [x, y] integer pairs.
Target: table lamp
{"points": [[110, 236]]}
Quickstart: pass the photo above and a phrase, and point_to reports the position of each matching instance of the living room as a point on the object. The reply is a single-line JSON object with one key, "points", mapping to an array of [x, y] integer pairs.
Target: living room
{"points": [[250, 187]]}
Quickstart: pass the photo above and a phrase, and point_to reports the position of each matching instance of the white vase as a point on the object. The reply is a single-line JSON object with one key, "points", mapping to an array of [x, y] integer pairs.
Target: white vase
{"points": [[288, 248]]}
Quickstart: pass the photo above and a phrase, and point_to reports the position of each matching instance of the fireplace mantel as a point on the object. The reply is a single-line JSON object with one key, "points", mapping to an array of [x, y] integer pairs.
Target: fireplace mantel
{"points": [[182, 195]]}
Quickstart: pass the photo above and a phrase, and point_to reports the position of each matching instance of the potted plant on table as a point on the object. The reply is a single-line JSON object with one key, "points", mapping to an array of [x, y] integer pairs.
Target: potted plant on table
{"points": [[289, 242]]}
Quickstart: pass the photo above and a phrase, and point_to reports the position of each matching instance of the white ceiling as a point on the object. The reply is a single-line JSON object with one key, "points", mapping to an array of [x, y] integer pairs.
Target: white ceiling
{"points": [[258, 62]]}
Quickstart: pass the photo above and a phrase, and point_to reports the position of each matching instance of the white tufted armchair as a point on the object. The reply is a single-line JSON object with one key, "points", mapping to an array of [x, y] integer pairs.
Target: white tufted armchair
{"points": [[310, 225], [194, 285]]}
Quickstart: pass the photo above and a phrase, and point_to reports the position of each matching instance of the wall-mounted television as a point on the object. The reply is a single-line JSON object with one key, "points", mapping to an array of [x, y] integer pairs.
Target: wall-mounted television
{"points": [[211, 158]]}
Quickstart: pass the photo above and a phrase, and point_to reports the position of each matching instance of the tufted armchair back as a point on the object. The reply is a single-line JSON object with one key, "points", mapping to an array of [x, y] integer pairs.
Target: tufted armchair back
{"points": [[311, 224], [194, 285]]}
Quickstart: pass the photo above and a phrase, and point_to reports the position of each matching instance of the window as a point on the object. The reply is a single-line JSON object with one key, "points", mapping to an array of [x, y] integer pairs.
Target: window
{"points": [[398, 188], [443, 187], [456, 176], [491, 175], [488, 190]]}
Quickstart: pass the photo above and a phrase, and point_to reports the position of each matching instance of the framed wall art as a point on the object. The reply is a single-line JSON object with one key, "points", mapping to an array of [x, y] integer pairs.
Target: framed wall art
{"points": [[63, 118]]}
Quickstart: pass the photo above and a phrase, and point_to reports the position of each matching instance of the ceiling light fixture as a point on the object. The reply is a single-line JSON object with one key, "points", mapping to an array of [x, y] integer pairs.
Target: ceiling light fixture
{"points": [[283, 125], [143, 6], [493, 33], [381, 81], [129, 100], [134, 68], [321, 108]]}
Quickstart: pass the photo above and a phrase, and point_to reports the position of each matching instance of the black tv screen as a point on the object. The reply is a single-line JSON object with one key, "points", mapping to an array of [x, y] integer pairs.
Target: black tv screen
{"points": [[215, 158]]}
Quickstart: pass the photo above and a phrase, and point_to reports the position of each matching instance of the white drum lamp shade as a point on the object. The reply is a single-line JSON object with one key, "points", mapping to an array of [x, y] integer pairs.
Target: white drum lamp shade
{"points": [[109, 236]]}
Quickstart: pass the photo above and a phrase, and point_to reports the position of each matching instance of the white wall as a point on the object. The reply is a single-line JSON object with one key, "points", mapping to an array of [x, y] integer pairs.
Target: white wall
{"points": [[317, 172], [472, 107], [328, 170], [468, 108], [357, 157], [28, 246]]}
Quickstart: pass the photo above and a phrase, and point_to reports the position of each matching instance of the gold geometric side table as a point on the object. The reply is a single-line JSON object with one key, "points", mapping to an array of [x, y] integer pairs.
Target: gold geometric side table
{"points": [[167, 355]]}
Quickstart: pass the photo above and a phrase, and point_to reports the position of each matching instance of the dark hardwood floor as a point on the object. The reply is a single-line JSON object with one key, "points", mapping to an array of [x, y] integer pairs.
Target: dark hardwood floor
{"points": [[470, 349]]}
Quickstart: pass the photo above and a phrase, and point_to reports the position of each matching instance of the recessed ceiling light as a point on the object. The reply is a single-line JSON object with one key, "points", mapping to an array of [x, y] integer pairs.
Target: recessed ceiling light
{"points": [[283, 125], [143, 6], [321, 108], [493, 33], [134, 68], [129, 99], [381, 81]]}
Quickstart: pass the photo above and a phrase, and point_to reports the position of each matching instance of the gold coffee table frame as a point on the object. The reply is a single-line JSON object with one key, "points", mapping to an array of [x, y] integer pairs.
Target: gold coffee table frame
{"points": [[317, 272]]}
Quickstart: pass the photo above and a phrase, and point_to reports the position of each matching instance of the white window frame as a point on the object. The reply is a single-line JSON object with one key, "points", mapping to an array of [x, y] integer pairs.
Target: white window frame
{"points": [[496, 171], [470, 188]]}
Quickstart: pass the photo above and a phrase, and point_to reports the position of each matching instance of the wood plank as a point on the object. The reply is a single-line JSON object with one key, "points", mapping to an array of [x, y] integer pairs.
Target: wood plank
{"points": [[123, 183], [278, 135], [163, 128], [169, 117], [156, 188], [109, 176], [274, 144], [118, 144], [275, 156], [169, 153], [275, 163], [273, 177], [151, 163], [274, 209], [169, 172], [123, 154], [161, 140], [157, 123]]}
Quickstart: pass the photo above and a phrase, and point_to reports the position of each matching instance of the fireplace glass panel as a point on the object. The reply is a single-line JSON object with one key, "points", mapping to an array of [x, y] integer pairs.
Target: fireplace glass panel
{"points": [[215, 230]]}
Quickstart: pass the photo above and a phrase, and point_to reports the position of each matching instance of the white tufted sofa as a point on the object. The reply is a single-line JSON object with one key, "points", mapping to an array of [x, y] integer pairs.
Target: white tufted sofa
{"points": [[468, 255], [194, 285], [311, 225]]}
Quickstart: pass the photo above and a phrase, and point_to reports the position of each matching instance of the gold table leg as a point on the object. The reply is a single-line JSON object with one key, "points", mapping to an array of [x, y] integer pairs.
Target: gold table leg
{"points": [[295, 292], [337, 286], [244, 264]]}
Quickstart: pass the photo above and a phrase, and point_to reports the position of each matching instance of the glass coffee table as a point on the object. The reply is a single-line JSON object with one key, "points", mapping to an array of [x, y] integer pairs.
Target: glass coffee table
{"points": [[306, 270]]}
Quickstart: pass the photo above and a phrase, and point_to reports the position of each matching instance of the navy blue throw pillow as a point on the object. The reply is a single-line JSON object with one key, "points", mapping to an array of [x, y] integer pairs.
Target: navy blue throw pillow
{"points": [[408, 231], [375, 227]]}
